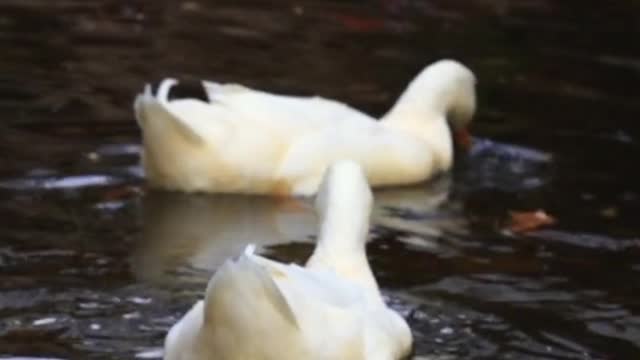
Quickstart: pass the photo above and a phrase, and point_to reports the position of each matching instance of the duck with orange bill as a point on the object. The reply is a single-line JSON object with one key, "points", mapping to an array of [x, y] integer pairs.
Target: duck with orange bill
{"points": [[248, 141]]}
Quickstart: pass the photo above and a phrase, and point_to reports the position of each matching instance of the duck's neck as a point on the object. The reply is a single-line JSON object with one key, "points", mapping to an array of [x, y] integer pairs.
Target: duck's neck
{"points": [[420, 99], [341, 244], [343, 233], [422, 112]]}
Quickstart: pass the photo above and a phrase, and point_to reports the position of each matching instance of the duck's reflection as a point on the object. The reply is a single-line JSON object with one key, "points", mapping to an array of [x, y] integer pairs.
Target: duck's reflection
{"points": [[426, 210], [182, 233]]}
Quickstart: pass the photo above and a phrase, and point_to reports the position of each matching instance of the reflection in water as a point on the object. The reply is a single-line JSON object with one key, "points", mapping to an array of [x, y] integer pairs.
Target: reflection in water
{"points": [[187, 232], [201, 231], [53, 182], [426, 215]]}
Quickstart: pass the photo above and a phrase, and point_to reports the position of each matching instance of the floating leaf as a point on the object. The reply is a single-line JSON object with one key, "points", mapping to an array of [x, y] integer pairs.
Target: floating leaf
{"points": [[525, 221]]}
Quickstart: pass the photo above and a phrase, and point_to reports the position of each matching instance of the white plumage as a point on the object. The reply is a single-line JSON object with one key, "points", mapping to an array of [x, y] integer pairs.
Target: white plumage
{"points": [[247, 141], [331, 309]]}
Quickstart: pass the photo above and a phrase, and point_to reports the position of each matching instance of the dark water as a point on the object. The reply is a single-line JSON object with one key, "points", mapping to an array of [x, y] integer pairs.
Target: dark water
{"points": [[93, 269]]}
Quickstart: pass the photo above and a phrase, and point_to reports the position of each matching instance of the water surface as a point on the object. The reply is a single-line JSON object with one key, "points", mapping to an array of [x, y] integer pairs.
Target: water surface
{"points": [[94, 268]]}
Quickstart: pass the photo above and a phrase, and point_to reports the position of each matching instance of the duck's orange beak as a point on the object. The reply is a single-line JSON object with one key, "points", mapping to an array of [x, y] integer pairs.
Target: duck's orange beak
{"points": [[463, 138]]}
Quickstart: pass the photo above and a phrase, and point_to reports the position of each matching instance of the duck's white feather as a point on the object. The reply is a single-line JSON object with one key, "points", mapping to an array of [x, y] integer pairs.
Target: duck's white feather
{"points": [[249, 141], [331, 309], [289, 110]]}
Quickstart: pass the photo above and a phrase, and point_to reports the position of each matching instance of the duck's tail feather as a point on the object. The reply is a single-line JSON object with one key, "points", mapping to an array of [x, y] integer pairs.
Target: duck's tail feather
{"points": [[148, 108], [242, 291], [164, 89]]}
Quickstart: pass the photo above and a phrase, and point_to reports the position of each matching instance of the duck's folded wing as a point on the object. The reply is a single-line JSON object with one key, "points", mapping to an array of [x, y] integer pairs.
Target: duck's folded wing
{"points": [[319, 285], [291, 110], [243, 289], [325, 287]]}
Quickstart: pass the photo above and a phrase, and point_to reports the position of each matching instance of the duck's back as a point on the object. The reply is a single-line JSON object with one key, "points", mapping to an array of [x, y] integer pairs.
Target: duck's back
{"points": [[247, 141], [290, 112], [255, 311]]}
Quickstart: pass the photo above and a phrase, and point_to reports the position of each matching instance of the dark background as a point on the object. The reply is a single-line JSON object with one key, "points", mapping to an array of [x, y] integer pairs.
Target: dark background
{"points": [[557, 76]]}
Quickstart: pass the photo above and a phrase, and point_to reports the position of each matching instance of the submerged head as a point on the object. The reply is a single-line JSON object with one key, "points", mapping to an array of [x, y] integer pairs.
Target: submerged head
{"points": [[449, 87], [344, 191], [459, 87]]}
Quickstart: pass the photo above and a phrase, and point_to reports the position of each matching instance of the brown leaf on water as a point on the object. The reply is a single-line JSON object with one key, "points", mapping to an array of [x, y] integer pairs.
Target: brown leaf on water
{"points": [[525, 221]]}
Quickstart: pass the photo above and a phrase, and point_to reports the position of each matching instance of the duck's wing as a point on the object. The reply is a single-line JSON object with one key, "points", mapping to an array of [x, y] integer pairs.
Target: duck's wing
{"points": [[244, 315], [329, 306], [289, 110], [255, 302], [245, 280], [321, 285], [363, 323]]}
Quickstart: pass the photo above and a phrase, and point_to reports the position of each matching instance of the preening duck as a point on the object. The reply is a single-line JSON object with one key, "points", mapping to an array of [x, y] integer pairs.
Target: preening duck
{"points": [[248, 141]]}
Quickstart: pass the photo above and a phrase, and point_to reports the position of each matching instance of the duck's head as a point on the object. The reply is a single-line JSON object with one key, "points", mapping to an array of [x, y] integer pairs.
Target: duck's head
{"points": [[451, 88], [445, 88]]}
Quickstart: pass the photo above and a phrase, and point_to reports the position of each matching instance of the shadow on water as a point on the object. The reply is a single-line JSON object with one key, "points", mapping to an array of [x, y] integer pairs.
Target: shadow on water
{"points": [[94, 269]]}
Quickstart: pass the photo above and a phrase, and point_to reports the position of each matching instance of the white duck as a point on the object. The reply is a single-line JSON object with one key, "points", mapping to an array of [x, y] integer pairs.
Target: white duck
{"points": [[248, 141], [255, 308]]}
